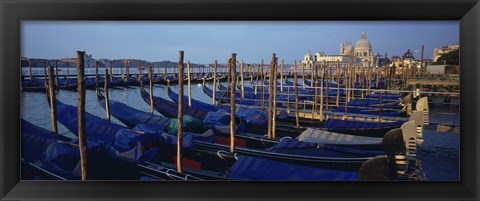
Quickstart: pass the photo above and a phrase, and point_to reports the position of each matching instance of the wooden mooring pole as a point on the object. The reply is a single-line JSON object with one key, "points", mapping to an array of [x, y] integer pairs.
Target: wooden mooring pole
{"points": [[45, 74], [256, 80], [82, 136], [53, 101], [165, 75], [321, 92], [56, 77], [214, 87], [315, 83], [327, 87], [337, 74], [250, 70], [121, 73], [111, 71], [127, 71], [68, 75], [270, 97], [274, 102], [96, 73], [281, 77], [295, 84], [180, 112], [346, 82], [189, 85], [107, 102], [303, 75], [150, 83], [262, 104], [380, 115], [30, 70], [241, 80], [233, 71]]}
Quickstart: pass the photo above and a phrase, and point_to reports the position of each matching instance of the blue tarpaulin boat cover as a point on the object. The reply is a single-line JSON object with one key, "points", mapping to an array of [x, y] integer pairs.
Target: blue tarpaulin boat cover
{"points": [[198, 104], [63, 158], [252, 116], [97, 129], [384, 95], [255, 168], [219, 117], [160, 136], [35, 141], [364, 102], [346, 124], [190, 124], [133, 116], [293, 146], [369, 111]]}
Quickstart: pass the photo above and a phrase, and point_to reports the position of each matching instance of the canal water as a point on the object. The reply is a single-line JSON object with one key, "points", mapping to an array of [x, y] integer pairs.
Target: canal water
{"points": [[437, 157]]}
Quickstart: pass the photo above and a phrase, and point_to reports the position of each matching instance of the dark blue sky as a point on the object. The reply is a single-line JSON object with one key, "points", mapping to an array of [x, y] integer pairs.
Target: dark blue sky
{"points": [[204, 42]]}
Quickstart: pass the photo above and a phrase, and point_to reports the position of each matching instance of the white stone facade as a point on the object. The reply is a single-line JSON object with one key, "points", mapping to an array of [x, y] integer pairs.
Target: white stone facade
{"points": [[362, 55], [438, 52]]}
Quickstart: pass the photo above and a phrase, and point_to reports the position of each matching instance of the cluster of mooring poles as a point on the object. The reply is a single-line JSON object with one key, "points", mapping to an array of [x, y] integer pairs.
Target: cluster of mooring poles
{"points": [[350, 76]]}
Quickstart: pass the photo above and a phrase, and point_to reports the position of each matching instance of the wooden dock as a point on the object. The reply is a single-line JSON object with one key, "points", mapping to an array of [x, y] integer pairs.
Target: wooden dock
{"points": [[449, 82]]}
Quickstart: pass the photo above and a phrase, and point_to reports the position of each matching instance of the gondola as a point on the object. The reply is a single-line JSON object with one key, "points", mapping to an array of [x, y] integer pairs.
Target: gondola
{"points": [[170, 109], [389, 107], [255, 123], [371, 128], [157, 149], [361, 128], [339, 139], [290, 83], [114, 81], [49, 156], [330, 84], [248, 92], [223, 97], [34, 85], [67, 83], [369, 111], [204, 155], [378, 95], [195, 103], [291, 150], [217, 121]]}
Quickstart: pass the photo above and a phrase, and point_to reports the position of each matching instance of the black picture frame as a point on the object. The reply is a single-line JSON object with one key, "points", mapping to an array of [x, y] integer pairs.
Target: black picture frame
{"points": [[13, 12]]}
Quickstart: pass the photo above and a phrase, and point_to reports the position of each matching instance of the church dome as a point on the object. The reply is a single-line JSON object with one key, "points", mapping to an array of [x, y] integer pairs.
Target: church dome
{"points": [[349, 47], [408, 55], [363, 43]]}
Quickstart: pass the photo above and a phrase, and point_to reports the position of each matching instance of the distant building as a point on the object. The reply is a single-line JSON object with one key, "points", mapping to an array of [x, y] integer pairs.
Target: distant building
{"points": [[436, 69], [321, 57], [89, 61], [407, 60], [438, 52], [406, 63], [362, 55]]}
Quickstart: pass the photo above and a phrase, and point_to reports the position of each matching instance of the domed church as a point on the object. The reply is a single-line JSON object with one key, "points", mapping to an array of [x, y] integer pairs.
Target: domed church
{"points": [[362, 50], [361, 55]]}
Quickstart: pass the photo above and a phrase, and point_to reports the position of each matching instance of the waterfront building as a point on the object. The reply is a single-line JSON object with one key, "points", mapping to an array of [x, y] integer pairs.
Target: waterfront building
{"points": [[405, 61], [362, 55], [89, 61], [321, 57], [438, 52]]}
